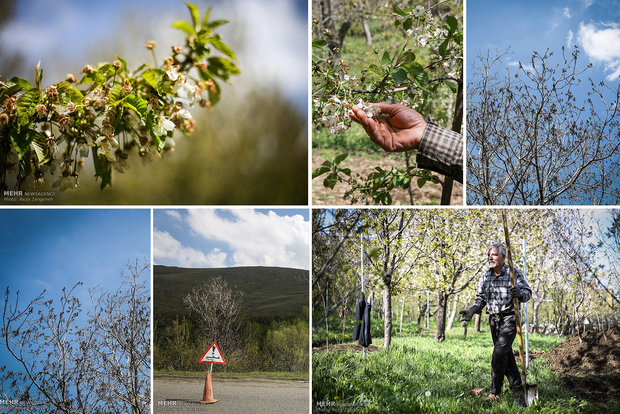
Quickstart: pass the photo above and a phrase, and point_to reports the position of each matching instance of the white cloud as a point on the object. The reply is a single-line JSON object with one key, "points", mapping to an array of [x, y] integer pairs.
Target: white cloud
{"points": [[569, 38], [256, 239], [516, 63], [165, 246], [602, 44], [566, 12], [174, 214]]}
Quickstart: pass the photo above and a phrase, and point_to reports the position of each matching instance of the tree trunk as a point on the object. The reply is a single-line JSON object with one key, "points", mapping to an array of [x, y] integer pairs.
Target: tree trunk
{"points": [[452, 316], [440, 317], [464, 324], [366, 30], [477, 322], [387, 313], [402, 310]]}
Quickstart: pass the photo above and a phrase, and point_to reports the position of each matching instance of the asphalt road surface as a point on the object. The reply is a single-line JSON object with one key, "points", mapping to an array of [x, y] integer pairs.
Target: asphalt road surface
{"points": [[172, 395]]}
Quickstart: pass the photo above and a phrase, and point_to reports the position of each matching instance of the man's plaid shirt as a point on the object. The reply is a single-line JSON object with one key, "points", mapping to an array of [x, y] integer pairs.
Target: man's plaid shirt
{"points": [[494, 291], [441, 150]]}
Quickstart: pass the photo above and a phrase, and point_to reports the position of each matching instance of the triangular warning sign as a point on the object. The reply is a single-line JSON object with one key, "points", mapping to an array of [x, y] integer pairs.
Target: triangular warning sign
{"points": [[213, 355]]}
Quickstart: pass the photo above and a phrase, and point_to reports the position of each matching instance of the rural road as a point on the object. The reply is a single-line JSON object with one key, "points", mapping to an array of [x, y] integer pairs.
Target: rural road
{"points": [[176, 395]]}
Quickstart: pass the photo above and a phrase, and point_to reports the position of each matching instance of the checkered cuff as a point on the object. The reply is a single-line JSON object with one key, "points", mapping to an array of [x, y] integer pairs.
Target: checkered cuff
{"points": [[441, 150]]}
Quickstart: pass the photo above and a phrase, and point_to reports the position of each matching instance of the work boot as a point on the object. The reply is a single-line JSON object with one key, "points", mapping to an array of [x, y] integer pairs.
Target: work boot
{"points": [[491, 398]]}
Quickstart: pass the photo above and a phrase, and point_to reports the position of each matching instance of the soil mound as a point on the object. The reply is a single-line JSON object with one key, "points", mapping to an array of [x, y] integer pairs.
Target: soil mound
{"points": [[591, 353], [589, 364]]}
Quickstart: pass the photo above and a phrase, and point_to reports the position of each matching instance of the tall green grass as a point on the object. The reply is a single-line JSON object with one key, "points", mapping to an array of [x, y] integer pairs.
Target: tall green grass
{"points": [[418, 375]]}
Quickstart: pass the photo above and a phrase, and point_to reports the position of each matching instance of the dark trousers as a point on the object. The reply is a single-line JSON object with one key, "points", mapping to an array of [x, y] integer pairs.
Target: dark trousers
{"points": [[503, 331]]}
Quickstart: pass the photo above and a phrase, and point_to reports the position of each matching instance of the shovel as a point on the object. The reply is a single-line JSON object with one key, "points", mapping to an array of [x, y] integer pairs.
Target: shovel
{"points": [[528, 393]]}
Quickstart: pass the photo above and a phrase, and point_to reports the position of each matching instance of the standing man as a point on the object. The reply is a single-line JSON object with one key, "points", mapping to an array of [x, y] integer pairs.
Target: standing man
{"points": [[495, 292]]}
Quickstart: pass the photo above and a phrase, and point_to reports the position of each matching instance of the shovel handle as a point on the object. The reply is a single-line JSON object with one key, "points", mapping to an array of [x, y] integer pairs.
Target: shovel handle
{"points": [[515, 300]]}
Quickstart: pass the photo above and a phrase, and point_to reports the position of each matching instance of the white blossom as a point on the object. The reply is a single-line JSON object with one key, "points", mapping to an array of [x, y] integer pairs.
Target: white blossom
{"points": [[107, 146], [163, 126]]}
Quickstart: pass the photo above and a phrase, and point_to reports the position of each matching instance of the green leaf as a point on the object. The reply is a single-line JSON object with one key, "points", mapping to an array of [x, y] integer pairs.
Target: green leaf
{"points": [[104, 73], [21, 141], [385, 60], [405, 183], [205, 19], [193, 11], [137, 104], [216, 23], [318, 43], [398, 10], [339, 158], [184, 27], [418, 73], [443, 48], [103, 169], [222, 68], [421, 182], [330, 181], [41, 149], [408, 23], [346, 171], [26, 106], [399, 75], [153, 78], [221, 46], [68, 93], [115, 94], [320, 171], [22, 83], [452, 23]]}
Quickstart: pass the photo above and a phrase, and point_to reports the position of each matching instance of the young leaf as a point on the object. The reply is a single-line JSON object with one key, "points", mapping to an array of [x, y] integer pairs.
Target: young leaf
{"points": [[193, 11], [41, 149], [184, 27], [339, 158], [221, 46], [452, 23], [21, 141], [398, 10], [398, 74], [216, 23], [137, 104], [67, 93], [385, 60], [153, 78], [318, 43], [418, 73], [26, 106], [320, 171], [22, 83]]}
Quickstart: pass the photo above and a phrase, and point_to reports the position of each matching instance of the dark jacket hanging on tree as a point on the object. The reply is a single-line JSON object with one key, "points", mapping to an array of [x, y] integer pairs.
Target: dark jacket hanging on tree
{"points": [[365, 338], [359, 314]]}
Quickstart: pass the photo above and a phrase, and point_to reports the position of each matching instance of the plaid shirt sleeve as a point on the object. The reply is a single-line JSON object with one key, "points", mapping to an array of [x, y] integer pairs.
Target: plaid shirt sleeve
{"points": [[441, 150]]}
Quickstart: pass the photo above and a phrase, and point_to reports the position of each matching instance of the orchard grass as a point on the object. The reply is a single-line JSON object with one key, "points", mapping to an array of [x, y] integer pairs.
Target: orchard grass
{"points": [[416, 374]]}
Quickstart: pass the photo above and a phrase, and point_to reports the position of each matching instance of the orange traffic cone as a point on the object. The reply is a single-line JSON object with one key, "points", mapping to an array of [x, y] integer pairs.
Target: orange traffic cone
{"points": [[207, 395]]}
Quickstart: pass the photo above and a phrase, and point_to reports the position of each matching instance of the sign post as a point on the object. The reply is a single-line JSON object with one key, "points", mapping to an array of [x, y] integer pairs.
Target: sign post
{"points": [[212, 356]]}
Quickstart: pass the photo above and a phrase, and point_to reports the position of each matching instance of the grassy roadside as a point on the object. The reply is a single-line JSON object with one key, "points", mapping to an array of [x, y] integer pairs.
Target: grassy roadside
{"points": [[418, 375], [284, 376]]}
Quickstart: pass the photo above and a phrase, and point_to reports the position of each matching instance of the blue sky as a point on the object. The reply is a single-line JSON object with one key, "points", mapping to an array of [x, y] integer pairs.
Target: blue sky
{"points": [[233, 237], [55, 248], [526, 26], [269, 37]]}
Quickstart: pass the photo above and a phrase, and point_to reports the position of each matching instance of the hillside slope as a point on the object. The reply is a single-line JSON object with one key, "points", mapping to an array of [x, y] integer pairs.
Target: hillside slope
{"points": [[268, 291]]}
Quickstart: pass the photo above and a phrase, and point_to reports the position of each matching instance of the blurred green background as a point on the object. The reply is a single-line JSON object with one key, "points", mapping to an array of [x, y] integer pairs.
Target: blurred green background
{"points": [[251, 148]]}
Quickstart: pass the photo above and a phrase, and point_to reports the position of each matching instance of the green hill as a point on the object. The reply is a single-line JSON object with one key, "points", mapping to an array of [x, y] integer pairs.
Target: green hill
{"points": [[272, 292]]}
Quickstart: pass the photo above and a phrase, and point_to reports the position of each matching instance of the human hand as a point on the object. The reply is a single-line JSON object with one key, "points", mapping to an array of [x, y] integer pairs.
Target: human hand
{"points": [[396, 128], [466, 314], [515, 292]]}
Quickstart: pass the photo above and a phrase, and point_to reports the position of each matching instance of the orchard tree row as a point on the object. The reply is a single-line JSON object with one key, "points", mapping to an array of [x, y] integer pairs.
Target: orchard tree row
{"points": [[573, 263]]}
